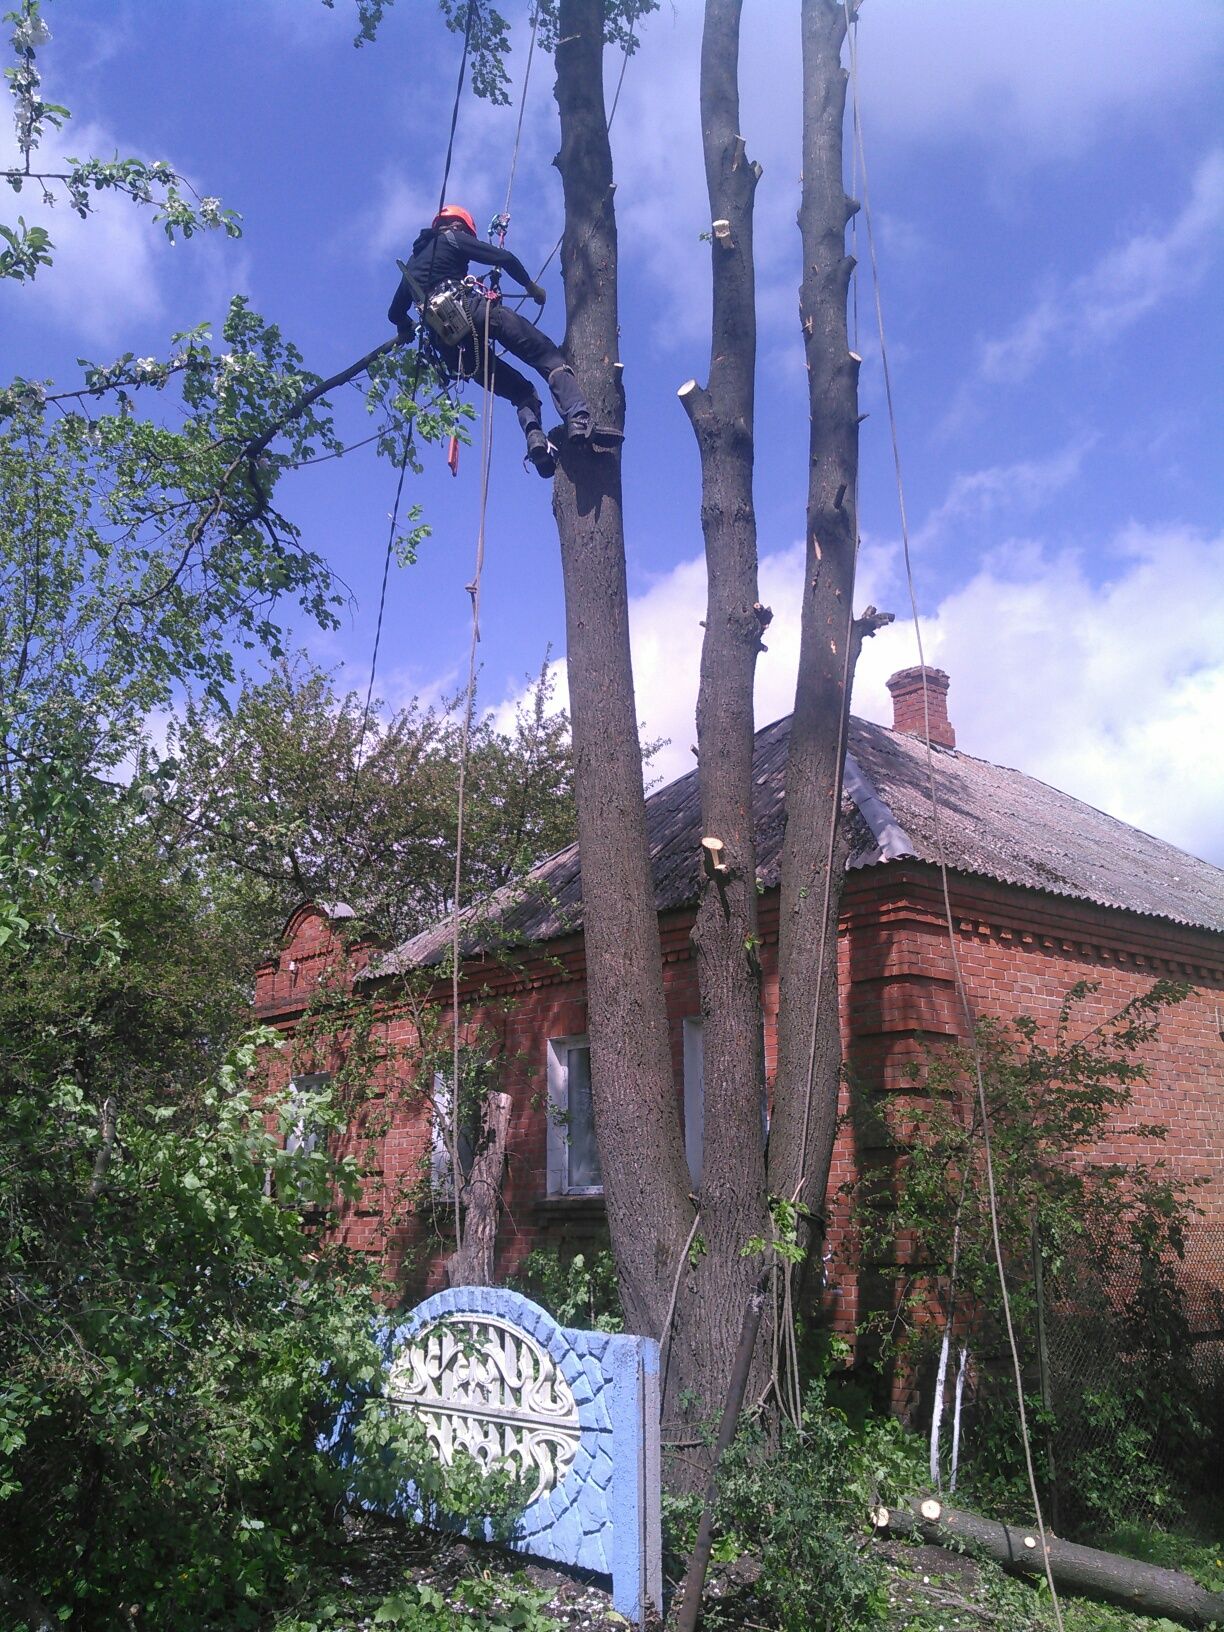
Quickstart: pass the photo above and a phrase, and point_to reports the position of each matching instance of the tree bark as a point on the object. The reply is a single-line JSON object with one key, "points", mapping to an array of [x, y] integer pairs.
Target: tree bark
{"points": [[1084, 1570], [732, 1192], [481, 1197], [637, 1116], [809, 1051]]}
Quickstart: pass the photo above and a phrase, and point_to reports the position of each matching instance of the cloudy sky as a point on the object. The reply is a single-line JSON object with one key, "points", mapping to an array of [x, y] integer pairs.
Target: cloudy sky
{"points": [[1047, 185]]}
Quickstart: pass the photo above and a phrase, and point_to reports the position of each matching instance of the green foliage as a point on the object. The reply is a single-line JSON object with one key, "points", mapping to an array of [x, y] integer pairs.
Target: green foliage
{"points": [[785, 1217], [1110, 1234], [577, 1288], [270, 790], [1201, 1558], [477, 1603], [798, 1507], [155, 184], [174, 1337]]}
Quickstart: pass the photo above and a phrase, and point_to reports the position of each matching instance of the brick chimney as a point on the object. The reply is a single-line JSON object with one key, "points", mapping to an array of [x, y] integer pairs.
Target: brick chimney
{"points": [[908, 713]]}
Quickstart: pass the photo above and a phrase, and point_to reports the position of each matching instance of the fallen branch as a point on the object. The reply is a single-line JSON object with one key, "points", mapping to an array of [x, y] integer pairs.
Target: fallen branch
{"points": [[1084, 1570]]}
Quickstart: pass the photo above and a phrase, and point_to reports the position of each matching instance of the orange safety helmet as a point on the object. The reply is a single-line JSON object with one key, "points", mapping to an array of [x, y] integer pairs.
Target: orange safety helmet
{"points": [[454, 212]]}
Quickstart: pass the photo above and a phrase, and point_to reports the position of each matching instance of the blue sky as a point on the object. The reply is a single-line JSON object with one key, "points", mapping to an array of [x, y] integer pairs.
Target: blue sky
{"points": [[1047, 184]]}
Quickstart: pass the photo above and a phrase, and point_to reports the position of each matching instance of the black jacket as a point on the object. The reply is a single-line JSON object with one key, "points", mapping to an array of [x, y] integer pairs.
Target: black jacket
{"points": [[442, 255]]}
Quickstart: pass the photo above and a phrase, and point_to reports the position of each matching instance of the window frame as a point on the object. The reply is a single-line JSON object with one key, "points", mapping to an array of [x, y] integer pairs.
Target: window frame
{"points": [[299, 1135], [557, 1152]]}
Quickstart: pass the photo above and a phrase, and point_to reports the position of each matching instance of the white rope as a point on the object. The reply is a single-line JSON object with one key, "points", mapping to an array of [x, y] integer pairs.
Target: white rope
{"points": [[971, 1029]]}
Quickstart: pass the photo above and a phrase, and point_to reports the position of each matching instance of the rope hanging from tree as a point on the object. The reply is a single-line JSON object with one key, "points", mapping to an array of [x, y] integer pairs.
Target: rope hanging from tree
{"points": [[473, 589], [962, 991]]}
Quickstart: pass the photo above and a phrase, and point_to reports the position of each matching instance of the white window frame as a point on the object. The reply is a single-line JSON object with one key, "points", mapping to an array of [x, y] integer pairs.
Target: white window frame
{"points": [[440, 1137], [694, 1095], [558, 1145], [301, 1136]]}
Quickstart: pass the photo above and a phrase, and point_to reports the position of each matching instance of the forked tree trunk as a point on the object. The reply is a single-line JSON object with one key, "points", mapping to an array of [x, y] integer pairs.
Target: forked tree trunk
{"points": [[637, 1117], [732, 1190], [809, 1052]]}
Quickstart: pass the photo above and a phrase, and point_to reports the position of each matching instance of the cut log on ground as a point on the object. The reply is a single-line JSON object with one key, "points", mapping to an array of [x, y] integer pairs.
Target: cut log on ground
{"points": [[1085, 1571]]}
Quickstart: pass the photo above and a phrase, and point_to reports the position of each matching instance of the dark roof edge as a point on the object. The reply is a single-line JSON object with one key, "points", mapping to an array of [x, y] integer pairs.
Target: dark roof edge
{"points": [[893, 841]]}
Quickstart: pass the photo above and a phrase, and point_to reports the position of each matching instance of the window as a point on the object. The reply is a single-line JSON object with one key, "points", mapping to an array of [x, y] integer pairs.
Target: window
{"points": [[573, 1156], [304, 1132], [694, 1095], [440, 1135]]}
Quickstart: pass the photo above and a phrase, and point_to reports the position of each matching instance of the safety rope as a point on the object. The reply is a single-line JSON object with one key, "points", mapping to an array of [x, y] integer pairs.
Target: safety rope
{"points": [[518, 129], [473, 588], [486, 453], [962, 991]]}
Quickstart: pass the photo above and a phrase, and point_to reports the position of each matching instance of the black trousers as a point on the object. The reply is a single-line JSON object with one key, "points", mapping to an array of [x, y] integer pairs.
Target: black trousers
{"points": [[517, 336]]}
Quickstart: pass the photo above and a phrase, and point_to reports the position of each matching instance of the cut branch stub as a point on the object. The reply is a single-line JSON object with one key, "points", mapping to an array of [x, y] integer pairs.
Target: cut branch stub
{"points": [[713, 850]]}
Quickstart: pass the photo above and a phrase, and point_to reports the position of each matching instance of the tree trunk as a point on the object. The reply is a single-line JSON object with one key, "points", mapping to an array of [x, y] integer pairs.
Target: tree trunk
{"points": [[481, 1197], [732, 1191], [637, 1116], [1084, 1570], [809, 1051]]}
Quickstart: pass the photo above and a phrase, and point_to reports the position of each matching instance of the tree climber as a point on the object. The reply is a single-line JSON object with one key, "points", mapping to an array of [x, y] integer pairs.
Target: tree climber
{"points": [[457, 308]]}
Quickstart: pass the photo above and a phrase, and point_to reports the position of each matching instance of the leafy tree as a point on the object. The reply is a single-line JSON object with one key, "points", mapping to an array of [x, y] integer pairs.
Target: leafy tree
{"points": [[171, 1338], [158, 185], [295, 793]]}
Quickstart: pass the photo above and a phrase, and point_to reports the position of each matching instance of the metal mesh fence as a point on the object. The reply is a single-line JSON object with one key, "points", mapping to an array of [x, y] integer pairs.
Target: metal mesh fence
{"points": [[1130, 1367]]}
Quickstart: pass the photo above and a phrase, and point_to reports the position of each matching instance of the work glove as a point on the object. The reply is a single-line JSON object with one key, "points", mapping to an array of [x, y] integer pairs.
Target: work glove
{"points": [[536, 293]]}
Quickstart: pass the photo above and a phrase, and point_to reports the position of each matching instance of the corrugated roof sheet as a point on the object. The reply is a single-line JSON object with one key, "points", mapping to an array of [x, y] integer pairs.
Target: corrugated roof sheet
{"points": [[994, 822]]}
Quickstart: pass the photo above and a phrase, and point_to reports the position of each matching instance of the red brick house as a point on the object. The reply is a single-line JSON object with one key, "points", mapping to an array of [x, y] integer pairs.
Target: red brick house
{"points": [[1046, 891]]}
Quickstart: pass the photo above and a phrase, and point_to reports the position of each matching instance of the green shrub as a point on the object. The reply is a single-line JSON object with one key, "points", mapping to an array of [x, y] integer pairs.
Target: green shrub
{"points": [[174, 1345], [577, 1288], [800, 1509]]}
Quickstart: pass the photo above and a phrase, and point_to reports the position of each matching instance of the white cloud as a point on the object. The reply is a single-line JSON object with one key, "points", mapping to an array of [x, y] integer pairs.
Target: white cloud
{"points": [[105, 277], [1111, 691], [1123, 286], [1025, 485], [1033, 81]]}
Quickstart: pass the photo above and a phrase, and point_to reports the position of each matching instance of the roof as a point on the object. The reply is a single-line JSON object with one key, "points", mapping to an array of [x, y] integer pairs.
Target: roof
{"points": [[993, 823]]}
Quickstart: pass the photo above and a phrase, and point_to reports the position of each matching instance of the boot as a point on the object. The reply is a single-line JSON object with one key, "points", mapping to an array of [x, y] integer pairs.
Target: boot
{"points": [[570, 403], [540, 453], [539, 448]]}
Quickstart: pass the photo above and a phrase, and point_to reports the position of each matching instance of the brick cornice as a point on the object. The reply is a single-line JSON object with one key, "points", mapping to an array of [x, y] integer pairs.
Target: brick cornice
{"points": [[908, 891]]}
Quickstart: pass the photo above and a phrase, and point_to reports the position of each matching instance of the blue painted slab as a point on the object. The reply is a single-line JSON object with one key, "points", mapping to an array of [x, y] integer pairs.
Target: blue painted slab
{"points": [[604, 1513]]}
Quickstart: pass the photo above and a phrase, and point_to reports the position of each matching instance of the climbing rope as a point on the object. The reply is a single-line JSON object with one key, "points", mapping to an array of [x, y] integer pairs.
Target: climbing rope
{"points": [[473, 589], [962, 991]]}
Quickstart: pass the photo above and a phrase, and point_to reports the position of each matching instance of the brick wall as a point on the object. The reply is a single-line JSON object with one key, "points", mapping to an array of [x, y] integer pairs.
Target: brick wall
{"points": [[1020, 952]]}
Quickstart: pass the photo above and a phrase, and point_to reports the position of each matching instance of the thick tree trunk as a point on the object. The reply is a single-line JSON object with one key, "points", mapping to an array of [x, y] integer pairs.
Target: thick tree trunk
{"points": [[1083, 1570], [732, 1191], [637, 1116], [809, 1053], [481, 1198]]}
